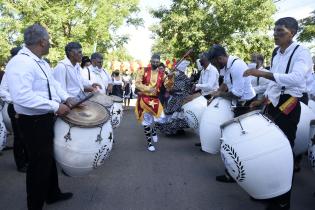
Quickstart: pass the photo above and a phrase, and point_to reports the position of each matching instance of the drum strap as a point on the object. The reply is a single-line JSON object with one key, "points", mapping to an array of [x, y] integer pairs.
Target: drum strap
{"points": [[288, 67], [89, 72], [48, 85]]}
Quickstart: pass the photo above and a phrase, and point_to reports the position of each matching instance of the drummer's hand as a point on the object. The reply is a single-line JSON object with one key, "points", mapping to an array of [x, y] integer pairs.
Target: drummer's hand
{"points": [[110, 88], [252, 72], [256, 103], [96, 85], [62, 110], [71, 101]]}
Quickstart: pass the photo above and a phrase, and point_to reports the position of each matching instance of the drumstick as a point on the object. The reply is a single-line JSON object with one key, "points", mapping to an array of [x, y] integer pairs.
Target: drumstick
{"points": [[184, 56], [83, 100]]}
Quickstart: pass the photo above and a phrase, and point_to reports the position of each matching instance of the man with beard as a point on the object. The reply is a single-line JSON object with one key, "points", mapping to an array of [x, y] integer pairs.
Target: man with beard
{"points": [[148, 107]]}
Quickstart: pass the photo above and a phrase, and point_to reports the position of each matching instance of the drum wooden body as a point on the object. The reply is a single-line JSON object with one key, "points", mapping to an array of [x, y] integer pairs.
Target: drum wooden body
{"points": [[83, 139], [311, 148], [116, 111], [193, 111], [6, 118], [218, 112], [301, 141], [258, 155]]}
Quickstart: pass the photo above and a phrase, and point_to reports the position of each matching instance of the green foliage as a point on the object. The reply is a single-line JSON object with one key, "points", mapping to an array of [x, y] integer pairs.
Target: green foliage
{"points": [[93, 23], [307, 29], [241, 25]]}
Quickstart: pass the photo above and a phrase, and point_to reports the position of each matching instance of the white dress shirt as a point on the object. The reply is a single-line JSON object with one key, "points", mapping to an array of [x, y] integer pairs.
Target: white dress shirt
{"points": [[208, 80], [28, 85], [101, 77], [86, 72], [260, 84], [70, 78], [4, 90], [294, 82], [240, 86]]}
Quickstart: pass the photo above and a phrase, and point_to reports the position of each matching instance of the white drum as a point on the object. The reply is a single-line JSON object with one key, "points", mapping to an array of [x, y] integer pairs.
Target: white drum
{"points": [[258, 155], [83, 139], [218, 112], [3, 134], [116, 111], [311, 104], [311, 148], [302, 134], [6, 118], [194, 106]]}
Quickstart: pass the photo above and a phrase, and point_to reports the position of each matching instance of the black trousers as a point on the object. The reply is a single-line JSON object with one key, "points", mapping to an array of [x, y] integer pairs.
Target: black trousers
{"points": [[288, 124], [19, 151], [41, 176]]}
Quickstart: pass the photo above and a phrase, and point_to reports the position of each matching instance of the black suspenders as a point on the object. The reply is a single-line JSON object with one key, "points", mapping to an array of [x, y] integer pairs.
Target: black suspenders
{"points": [[230, 71], [288, 67], [48, 85], [89, 73]]}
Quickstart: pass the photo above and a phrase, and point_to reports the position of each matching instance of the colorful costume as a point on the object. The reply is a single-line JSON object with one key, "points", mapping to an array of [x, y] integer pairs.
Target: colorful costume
{"points": [[149, 108]]}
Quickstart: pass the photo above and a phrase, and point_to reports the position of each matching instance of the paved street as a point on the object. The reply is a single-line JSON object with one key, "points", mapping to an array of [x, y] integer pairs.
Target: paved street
{"points": [[176, 176]]}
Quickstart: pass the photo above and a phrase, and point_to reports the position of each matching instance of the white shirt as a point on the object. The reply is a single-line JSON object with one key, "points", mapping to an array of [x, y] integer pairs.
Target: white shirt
{"points": [[294, 82], [101, 77], [208, 81], [70, 78], [240, 86], [260, 85], [86, 72], [28, 85], [4, 90]]}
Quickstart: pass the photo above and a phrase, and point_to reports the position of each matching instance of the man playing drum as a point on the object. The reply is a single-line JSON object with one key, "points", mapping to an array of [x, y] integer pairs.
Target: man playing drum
{"points": [[37, 97], [209, 77], [235, 87], [148, 107], [287, 84], [68, 72]]}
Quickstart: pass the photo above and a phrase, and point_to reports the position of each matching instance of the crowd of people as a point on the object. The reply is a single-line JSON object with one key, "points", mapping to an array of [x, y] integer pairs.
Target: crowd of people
{"points": [[38, 94]]}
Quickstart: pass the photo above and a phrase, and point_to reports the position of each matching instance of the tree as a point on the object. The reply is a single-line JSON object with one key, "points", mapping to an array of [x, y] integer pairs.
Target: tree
{"points": [[241, 25], [91, 22], [307, 29]]}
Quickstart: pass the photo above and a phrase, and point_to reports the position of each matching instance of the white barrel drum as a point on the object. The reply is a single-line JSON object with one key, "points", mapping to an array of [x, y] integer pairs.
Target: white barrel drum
{"points": [[103, 100], [83, 139], [311, 104], [218, 112], [302, 134], [6, 118], [258, 155], [116, 111], [194, 106], [3, 134], [311, 148]]}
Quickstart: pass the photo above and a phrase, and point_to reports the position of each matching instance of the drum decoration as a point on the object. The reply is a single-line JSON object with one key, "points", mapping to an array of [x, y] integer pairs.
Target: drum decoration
{"points": [[301, 141], [257, 155], [311, 148], [6, 118], [3, 134], [83, 139], [193, 110], [116, 111], [218, 112]]}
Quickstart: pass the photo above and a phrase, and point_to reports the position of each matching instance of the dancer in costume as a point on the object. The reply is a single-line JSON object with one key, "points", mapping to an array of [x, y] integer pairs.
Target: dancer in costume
{"points": [[175, 122], [149, 108]]}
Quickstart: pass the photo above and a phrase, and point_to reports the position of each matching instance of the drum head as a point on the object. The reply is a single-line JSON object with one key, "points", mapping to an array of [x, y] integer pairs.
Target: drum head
{"points": [[102, 99], [239, 118], [191, 97], [117, 99], [91, 115]]}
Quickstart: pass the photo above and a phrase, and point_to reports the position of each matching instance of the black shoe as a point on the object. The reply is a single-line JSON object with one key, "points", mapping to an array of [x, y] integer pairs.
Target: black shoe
{"points": [[273, 206], [22, 169], [7, 148], [224, 178], [198, 144], [59, 197]]}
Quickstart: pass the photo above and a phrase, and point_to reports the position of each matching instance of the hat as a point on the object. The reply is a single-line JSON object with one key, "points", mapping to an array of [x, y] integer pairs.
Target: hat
{"points": [[183, 66]]}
